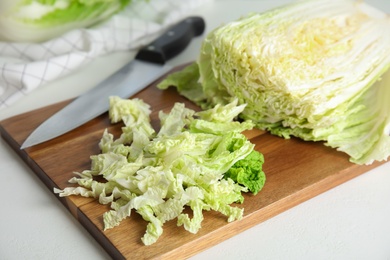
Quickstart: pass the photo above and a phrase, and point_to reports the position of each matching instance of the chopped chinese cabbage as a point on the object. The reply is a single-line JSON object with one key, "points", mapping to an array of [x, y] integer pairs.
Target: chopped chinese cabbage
{"points": [[183, 165]]}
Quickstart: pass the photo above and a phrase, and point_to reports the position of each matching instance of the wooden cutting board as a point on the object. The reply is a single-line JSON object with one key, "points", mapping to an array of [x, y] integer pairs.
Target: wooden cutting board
{"points": [[296, 171]]}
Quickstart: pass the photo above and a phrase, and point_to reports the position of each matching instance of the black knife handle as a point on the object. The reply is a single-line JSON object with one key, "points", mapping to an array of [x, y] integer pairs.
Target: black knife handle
{"points": [[173, 41]]}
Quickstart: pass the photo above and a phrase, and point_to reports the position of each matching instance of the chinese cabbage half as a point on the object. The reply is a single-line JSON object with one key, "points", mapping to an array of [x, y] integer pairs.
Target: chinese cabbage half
{"points": [[318, 70], [39, 20]]}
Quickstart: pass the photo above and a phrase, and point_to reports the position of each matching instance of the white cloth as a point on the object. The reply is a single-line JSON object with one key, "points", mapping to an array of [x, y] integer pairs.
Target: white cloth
{"points": [[27, 66]]}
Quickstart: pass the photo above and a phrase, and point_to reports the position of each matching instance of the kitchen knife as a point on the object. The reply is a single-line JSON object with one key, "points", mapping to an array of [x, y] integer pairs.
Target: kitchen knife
{"points": [[148, 65]]}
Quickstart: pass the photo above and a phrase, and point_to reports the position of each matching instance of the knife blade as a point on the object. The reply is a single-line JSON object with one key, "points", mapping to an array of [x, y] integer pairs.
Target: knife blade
{"points": [[148, 65]]}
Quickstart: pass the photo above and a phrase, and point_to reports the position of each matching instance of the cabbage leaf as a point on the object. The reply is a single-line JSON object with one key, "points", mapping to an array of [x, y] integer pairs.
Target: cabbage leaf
{"points": [[40, 20]]}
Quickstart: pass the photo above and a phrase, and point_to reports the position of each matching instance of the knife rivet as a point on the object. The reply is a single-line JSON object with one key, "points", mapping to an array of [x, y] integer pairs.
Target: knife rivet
{"points": [[151, 48], [171, 33]]}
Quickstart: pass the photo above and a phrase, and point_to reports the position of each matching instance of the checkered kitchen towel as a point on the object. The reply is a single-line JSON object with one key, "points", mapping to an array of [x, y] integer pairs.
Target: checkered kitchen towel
{"points": [[26, 66]]}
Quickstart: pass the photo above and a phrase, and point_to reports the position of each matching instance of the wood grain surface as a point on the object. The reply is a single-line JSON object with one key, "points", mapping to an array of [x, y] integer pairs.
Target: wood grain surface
{"points": [[296, 171]]}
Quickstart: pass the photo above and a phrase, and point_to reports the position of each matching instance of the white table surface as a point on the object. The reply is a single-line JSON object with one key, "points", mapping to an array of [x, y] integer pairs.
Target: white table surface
{"points": [[351, 221]]}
